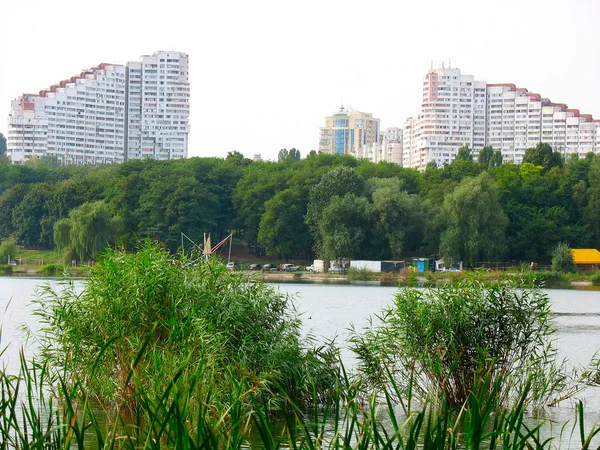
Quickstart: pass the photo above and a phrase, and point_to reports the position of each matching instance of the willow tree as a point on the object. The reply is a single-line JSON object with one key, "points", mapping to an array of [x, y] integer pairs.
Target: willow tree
{"points": [[88, 230], [473, 221]]}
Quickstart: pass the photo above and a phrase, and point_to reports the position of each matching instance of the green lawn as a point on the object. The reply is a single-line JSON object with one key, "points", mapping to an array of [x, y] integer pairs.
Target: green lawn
{"points": [[35, 257]]}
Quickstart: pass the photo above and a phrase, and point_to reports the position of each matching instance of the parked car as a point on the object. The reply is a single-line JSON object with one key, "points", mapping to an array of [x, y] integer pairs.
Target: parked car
{"points": [[337, 269], [310, 268], [268, 267], [232, 266], [288, 268], [254, 267]]}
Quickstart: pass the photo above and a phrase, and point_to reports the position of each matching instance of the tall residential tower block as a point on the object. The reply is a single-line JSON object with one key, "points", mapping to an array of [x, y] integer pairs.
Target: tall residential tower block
{"points": [[458, 110], [107, 114]]}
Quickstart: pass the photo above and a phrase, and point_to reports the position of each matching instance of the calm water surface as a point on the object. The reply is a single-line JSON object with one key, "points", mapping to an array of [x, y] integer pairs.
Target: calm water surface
{"points": [[329, 310]]}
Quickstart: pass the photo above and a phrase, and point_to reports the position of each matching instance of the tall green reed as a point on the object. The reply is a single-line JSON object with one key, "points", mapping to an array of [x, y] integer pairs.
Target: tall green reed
{"points": [[32, 418]]}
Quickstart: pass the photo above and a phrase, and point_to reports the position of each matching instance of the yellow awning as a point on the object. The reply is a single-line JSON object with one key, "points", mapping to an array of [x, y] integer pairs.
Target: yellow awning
{"points": [[586, 256]]}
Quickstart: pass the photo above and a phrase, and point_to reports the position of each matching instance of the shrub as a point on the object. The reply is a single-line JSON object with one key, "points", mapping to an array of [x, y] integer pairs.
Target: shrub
{"points": [[537, 278], [411, 279], [359, 274], [49, 270], [595, 279], [449, 337], [6, 269], [551, 276], [8, 249], [562, 259], [389, 277], [203, 323]]}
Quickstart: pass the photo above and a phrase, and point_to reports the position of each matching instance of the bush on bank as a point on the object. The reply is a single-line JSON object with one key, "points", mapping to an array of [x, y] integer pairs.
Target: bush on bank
{"points": [[166, 315], [49, 270]]}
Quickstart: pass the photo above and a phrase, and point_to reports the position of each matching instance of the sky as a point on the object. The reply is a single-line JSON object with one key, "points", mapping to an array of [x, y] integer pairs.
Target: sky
{"points": [[264, 74]]}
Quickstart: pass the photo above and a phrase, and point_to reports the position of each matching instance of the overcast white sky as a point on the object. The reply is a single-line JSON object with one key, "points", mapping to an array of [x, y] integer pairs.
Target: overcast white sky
{"points": [[264, 74]]}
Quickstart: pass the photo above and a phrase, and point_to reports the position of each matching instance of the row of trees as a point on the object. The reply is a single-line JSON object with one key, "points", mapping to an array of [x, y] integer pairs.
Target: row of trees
{"points": [[325, 205]]}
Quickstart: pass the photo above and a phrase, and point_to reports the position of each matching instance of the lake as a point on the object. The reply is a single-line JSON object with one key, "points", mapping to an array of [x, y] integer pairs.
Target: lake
{"points": [[328, 310]]}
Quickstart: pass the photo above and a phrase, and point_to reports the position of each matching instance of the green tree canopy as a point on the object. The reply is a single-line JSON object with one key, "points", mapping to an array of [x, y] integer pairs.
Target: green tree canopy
{"points": [[282, 227], [345, 227], [591, 213], [172, 206], [398, 215], [9, 201], [291, 154], [338, 182], [260, 182], [474, 222], [8, 251], [2, 144], [88, 230], [464, 154], [542, 155], [32, 223], [489, 158]]}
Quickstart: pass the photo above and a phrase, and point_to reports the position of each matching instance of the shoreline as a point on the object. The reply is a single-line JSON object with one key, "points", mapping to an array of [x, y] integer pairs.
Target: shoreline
{"points": [[326, 278]]}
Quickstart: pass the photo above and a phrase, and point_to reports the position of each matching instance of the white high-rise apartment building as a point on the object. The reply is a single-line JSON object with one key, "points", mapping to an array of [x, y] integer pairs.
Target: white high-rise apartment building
{"points": [[518, 119], [107, 114], [346, 131], [452, 115], [458, 110], [388, 148]]}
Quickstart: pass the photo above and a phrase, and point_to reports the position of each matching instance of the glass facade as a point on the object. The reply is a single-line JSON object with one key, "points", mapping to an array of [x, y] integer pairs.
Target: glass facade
{"points": [[347, 131], [340, 136]]}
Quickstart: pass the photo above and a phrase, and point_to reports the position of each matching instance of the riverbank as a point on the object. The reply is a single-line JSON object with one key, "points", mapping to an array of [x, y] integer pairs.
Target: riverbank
{"points": [[405, 278], [576, 281]]}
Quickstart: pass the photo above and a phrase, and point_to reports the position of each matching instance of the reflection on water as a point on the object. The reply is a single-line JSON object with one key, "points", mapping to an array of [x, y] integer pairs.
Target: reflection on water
{"points": [[329, 310]]}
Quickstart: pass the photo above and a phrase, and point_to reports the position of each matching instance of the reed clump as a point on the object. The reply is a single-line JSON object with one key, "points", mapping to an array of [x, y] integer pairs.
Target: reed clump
{"points": [[168, 316], [447, 338], [361, 274]]}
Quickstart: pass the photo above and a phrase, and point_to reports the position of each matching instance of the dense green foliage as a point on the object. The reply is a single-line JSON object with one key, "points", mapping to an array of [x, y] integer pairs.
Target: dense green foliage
{"points": [[445, 340], [473, 222], [191, 318], [562, 259], [327, 206], [8, 251], [89, 229], [2, 145]]}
